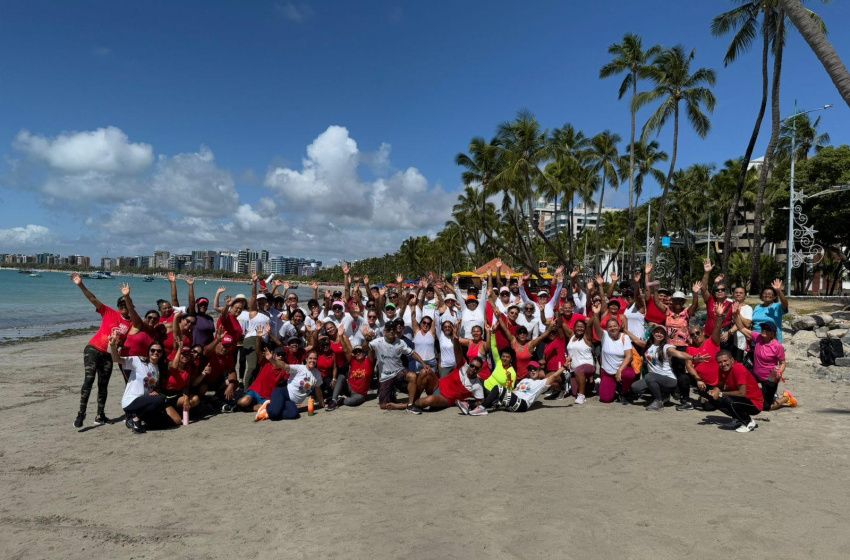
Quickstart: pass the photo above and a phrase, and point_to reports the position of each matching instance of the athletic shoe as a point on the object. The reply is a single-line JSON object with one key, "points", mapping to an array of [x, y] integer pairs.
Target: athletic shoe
{"points": [[227, 407], [656, 405], [101, 419], [561, 396], [128, 422], [478, 411], [78, 423], [623, 400], [413, 409], [733, 425], [792, 402], [748, 428], [463, 406], [262, 414], [580, 398], [136, 426], [331, 405], [687, 405]]}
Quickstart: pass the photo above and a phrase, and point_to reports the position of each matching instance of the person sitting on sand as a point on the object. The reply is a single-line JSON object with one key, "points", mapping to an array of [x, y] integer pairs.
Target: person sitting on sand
{"points": [[356, 381], [271, 376], [740, 397], [303, 381], [141, 402], [97, 359], [175, 386], [525, 394], [389, 350], [220, 374]]}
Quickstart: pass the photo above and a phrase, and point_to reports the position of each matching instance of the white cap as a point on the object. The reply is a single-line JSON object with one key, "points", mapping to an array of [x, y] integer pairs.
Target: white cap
{"points": [[678, 295], [447, 297]]}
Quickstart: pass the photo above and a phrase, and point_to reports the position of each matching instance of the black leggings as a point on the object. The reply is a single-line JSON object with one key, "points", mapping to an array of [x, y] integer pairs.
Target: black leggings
{"points": [[146, 407], [659, 385], [739, 408], [97, 364], [768, 390], [500, 395]]}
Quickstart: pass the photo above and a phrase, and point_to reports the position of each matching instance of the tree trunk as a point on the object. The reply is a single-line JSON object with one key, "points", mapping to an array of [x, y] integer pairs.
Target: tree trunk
{"points": [[825, 52], [755, 254], [570, 230], [733, 210], [662, 204], [599, 216], [632, 179]]}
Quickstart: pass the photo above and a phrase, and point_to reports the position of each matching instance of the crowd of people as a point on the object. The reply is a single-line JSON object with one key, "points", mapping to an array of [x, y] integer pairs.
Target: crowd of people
{"points": [[495, 347]]}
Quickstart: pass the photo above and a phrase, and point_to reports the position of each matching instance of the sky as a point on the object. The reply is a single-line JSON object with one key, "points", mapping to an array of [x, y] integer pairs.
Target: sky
{"points": [[322, 129]]}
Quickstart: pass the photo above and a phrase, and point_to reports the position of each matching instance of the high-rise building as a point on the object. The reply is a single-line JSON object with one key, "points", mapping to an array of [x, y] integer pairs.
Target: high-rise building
{"points": [[264, 256], [306, 269], [43, 258], [180, 262], [107, 264], [160, 259], [277, 265], [142, 261], [225, 261]]}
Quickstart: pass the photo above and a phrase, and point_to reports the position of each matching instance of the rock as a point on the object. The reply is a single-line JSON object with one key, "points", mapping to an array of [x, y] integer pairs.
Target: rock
{"points": [[822, 372], [803, 323], [821, 332], [827, 319], [842, 362], [804, 338], [837, 333], [835, 376], [813, 351]]}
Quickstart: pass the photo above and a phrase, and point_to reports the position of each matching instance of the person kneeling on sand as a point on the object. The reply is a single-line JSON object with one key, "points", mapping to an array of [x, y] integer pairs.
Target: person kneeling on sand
{"points": [[272, 374], [527, 391], [140, 402], [286, 401], [740, 397]]}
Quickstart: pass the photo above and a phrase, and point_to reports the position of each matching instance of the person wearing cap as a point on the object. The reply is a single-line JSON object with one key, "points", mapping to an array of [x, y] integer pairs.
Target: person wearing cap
{"points": [[526, 393], [546, 309], [740, 396], [350, 388], [677, 321], [388, 351], [295, 350], [337, 314], [219, 375], [472, 313], [204, 330], [460, 384], [768, 361], [745, 311], [97, 359], [390, 310], [428, 304], [278, 315], [272, 374], [448, 309]]}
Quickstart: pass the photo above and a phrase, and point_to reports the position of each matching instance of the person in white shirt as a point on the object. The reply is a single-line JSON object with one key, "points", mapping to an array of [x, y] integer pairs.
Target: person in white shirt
{"points": [[303, 381], [617, 374], [660, 379], [530, 320], [140, 401], [544, 306], [745, 312], [526, 392], [337, 314]]}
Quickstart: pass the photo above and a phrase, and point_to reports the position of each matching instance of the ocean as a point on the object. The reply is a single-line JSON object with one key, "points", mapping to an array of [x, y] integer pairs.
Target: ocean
{"points": [[33, 307]]}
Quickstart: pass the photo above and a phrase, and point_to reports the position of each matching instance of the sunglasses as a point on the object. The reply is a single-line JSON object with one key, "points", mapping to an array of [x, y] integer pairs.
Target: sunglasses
{"points": [[189, 322], [373, 316], [474, 368], [152, 317], [358, 351], [195, 351], [156, 350], [393, 296], [696, 333]]}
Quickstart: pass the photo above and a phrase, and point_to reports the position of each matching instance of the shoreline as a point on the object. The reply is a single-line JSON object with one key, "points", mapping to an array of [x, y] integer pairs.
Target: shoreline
{"points": [[47, 335]]}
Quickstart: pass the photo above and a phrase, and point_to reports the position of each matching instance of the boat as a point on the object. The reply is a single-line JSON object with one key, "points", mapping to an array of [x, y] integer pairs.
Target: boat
{"points": [[35, 275], [293, 285], [24, 271], [100, 275], [149, 279]]}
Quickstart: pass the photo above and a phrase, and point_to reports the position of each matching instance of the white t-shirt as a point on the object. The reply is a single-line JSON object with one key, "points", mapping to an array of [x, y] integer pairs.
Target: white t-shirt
{"points": [[635, 320], [580, 352], [746, 312], [388, 356], [258, 320], [351, 328], [301, 382], [533, 325], [579, 303], [447, 351], [471, 385], [530, 389], [424, 344], [656, 366], [332, 318], [243, 319], [613, 352], [143, 378], [429, 309]]}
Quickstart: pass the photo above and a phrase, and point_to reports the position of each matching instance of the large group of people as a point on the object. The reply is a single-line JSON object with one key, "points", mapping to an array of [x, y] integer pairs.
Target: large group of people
{"points": [[498, 346]]}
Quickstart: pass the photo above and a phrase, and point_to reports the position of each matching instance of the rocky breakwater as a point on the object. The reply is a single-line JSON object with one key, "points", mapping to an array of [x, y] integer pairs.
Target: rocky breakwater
{"points": [[804, 344]]}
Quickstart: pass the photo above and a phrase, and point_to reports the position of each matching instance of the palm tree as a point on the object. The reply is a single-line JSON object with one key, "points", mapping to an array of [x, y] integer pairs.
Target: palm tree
{"points": [[567, 147], [744, 21], [604, 155], [674, 82], [630, 57], [805, 137], [480, 166], [815, 36], [646, 157]]}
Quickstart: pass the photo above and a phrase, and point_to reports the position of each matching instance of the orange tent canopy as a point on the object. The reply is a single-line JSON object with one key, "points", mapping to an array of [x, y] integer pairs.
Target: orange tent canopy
{"points": [[506, 270]]}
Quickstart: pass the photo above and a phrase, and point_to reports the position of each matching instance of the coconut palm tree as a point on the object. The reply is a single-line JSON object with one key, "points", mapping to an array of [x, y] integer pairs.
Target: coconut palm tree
{"points": [[646, 158], [604, 156], [805, 137], [674, 83], [630, 57], [815, 36]]}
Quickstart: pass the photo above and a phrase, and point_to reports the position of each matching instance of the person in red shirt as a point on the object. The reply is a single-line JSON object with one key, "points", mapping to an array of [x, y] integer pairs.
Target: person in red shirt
{"points": [[461, 384], [706, 374], [97, 361], [219, 375], [357, 380], [568, 317], [740, 397], [175, 386], [654, 315], [272, 375], [719, 296]]}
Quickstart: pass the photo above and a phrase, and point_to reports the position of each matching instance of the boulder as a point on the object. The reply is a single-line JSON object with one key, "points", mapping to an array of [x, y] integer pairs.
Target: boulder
{"points": [[813, 351], [803, 323], [827, 319], [822, 372], [821, 332], [804, 338], [842, 362], [837, 333]]}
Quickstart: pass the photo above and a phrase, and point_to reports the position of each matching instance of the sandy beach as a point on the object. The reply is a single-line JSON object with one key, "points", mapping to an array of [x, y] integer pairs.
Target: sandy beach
{"points": [[561, 481]]}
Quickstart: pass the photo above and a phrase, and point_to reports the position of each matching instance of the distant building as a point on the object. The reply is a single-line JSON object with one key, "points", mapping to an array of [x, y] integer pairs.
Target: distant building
{"points": [[225, 261], [107, 264], [583, 218], [180, 262], [160, 259], [306, 269]]}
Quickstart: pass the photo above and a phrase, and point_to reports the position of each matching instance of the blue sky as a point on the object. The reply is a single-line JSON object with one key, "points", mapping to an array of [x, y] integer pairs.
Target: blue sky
{"points": [[129, 127]]}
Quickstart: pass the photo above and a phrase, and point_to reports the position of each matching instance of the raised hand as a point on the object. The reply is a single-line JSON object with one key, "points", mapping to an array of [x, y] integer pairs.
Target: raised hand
{"points": [[366, 280], [559, 277], [697, 287], [398, 280], [707, 266], [327, 294], [559, 270], [777, 285], [498, 264], [277, 283], [345, 269], [637, 276], [356, 279], [221, 290], [590, 285], [267, 354], [719, 279], [526, 275], [125, 289], [171, 277], [254, 277], [599, 280], [382, 290], [719, 309], [648, 269], [113, 339], [614, 278], [189, 280], [597, 307], [574, 273], [227, 301], [286, 285], [75, 278], [315, 286]]}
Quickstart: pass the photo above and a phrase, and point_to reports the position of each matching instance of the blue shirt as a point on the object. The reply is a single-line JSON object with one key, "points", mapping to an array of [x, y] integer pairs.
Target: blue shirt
{"points": [[772, 312]]}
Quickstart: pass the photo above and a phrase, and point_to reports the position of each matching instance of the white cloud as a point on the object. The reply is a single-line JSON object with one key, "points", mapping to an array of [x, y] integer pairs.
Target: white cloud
{"points": [[105, 150], [22, 238], [297, 13], [194, 184]]}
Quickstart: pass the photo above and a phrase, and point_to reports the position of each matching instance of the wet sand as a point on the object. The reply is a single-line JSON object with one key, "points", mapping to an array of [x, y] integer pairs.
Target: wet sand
{"points": [[561, 481]]}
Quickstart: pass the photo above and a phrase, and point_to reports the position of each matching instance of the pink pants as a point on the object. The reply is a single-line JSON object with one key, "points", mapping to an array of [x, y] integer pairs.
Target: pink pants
{"points": [[608, 384], [588, 371]]}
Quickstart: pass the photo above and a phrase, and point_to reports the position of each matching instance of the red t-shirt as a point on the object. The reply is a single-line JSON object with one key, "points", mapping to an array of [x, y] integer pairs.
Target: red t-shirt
{"points": [[325, 364], [111, 320], [653, 314], [268, 378], [555, 353], [711, 315], [231, 326], [339, 353], [452, 389], [297, 357], [168, 344], [740, 376], [220, 366], [575, 317], [708, 371], [176, 379], [474, 352], [360, 375], [502, 341]]}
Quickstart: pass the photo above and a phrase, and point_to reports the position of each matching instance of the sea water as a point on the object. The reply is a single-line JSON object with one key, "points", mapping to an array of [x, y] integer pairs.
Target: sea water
{"points": [[31, 307]]}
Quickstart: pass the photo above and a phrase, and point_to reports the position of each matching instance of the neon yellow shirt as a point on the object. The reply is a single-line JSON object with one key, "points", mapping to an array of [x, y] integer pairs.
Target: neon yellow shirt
{"points": [[500, 376]]}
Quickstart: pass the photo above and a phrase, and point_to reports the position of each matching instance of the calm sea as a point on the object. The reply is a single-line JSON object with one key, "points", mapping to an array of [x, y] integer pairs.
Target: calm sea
{"points": [[31, 307]]}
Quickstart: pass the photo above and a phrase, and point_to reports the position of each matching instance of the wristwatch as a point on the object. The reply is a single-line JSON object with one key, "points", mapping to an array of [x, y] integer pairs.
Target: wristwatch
{"points": [[720, 395]]}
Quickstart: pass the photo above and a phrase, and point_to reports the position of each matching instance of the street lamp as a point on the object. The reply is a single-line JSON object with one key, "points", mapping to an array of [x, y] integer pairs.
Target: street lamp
{"points": [[789, 251]]}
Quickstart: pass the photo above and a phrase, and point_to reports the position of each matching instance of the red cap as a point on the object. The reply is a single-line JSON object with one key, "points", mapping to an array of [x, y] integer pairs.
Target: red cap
{"points": [[227, 340]]}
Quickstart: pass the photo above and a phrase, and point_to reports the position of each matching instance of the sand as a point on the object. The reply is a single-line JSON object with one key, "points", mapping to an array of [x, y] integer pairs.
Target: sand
{"points": [[561, 481]]}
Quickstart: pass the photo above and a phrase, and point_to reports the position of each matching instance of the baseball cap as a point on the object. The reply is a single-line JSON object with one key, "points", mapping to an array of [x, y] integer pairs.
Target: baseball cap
{"points": [[338, 304], [769, 325], [261, 296], [280, 352], [201, 300], [292, 339], [389, 306], [615, 302], [664, 291], [227, 340], [533, 364], [471, 298], [678, 295], [447, 297], [504, 290], [542, 293]]}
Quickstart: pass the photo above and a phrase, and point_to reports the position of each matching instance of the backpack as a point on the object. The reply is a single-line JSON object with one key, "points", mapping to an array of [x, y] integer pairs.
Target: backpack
{"points": [[830, 349]]}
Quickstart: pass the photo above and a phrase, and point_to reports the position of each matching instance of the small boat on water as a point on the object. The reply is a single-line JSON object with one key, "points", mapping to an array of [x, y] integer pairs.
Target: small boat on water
{"points": [[22, 271], [35, 275], [100, 275], [149, 279]]}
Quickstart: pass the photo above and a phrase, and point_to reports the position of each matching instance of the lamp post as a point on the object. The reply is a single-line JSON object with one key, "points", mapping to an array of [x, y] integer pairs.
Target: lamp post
{"points": [[789, 250]]}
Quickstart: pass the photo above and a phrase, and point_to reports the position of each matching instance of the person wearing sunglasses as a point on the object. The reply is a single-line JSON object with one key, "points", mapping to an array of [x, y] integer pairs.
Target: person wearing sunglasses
{"points": [[424, 342], [141, 402], [455, 388], [745, 315], [705, 374], [527, 390], [719, 294], [350, 388]]}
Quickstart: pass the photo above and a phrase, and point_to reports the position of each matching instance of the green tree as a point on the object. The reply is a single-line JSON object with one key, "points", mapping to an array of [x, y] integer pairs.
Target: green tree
{"points": [[806, 137], [604, 156]]}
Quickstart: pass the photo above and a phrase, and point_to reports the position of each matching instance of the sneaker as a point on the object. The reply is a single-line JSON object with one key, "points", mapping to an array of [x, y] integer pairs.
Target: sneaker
{"points": [[101, 419], [733, 425], [687, 405], [478, 411], [227, 407], [792, 402], [580, 398], [136, 426], [623, 400], [262, 414], [656, 405], [748, 428], [561, 396], [463, 406], [330, 406], [78, 423], [128, 422], [413, 409]]}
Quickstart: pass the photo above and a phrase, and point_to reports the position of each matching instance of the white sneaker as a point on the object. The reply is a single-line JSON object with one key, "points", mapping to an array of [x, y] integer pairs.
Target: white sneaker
{"points": [[561, 396], [463, 406], [733, 425], [580, 398], [748, 428], [478, 411]]}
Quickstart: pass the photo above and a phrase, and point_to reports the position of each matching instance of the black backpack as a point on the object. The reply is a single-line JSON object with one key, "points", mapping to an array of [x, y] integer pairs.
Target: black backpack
{"points": [[830, 349]]}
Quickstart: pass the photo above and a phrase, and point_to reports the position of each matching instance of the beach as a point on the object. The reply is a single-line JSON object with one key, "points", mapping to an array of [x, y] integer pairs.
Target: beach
{"points": [[600, 481]]}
